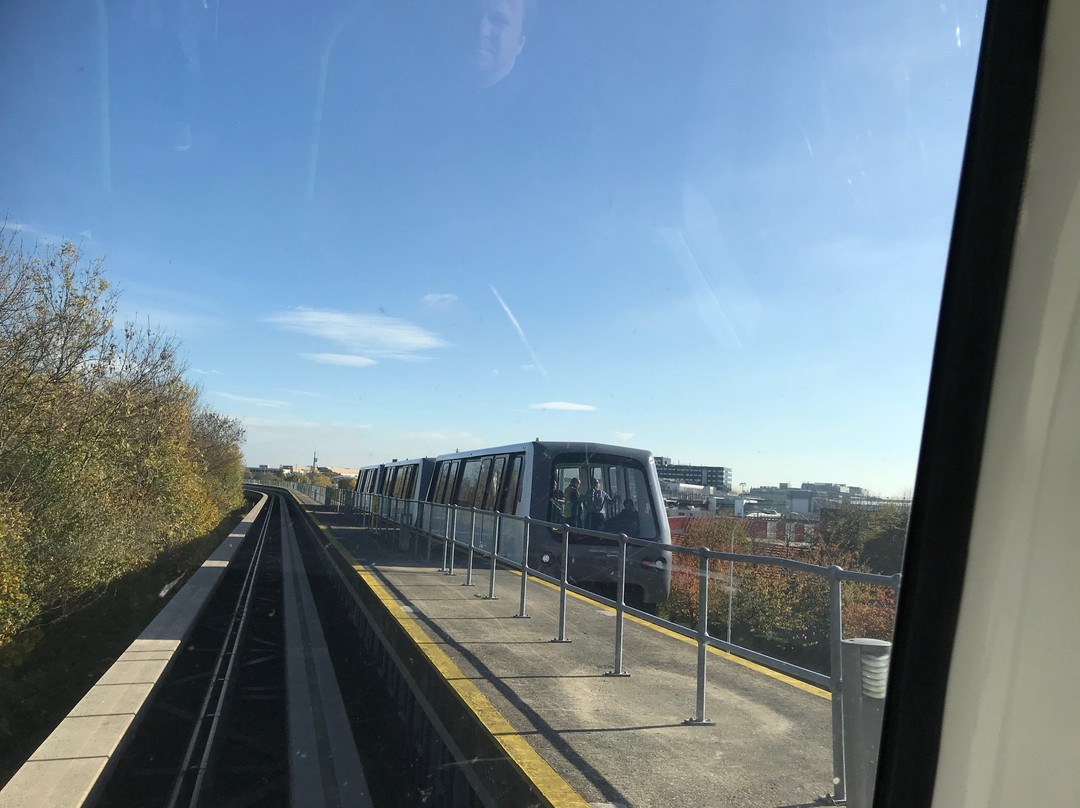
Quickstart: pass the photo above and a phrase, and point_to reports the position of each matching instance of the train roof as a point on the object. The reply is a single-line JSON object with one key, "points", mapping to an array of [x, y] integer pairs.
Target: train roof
{"points": [[557, 447]]}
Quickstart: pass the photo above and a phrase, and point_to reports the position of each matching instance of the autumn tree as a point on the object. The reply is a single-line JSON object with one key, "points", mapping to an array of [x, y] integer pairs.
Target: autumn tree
{"points": [[106, 456]]}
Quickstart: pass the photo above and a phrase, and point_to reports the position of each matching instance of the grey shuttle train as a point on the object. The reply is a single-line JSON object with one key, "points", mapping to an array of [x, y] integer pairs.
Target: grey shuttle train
{"points": [[593, 488]]}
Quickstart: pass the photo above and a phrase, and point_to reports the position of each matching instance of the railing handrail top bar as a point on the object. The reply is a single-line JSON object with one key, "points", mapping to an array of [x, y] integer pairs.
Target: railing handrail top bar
{"points": [[833, 571]]}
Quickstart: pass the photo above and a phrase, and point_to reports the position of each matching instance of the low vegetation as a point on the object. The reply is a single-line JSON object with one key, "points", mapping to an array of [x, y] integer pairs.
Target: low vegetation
{"points": [[107, 457], [785, 613]]}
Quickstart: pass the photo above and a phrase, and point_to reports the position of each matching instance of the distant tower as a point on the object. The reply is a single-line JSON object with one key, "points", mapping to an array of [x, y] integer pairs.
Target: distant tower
{"points": [[314, 463]]}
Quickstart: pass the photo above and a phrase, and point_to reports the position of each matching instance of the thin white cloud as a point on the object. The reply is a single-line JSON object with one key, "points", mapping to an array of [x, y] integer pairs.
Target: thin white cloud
{"points": [[182, 321], [375, 335], [563, 405], [202, 372], [520, 333], [349, 360], [259, 421], [255, 420], [624, 435], [257, 402], [437, 300], [38, 234]]}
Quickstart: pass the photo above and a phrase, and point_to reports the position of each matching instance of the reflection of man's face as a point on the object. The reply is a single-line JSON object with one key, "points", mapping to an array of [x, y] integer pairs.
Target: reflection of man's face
{"points": [[501, 39]]}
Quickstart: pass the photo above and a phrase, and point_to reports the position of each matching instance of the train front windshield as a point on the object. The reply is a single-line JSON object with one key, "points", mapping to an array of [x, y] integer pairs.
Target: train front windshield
{"points": [[611, 495]]}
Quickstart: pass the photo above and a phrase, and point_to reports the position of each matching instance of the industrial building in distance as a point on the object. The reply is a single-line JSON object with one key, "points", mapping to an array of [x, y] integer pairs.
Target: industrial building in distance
{"points": [[717, 477]]}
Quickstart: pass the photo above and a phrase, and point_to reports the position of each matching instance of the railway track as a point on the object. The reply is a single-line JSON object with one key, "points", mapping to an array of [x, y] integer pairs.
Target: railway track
{"points": [[250, 713]]}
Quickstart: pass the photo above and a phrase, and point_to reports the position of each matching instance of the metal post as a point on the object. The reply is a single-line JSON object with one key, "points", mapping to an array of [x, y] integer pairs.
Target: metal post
{"points": [[836, 634], [446, 540], [494, 558], [472, 544], [562, 585], [417, 528], [865, 674], [453, 542], [427, 534], [524, 568], [731, 582], [620, 614], [702, 636]]}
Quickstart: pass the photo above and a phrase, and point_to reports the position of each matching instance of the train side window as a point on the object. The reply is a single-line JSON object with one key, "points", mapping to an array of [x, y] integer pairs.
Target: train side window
{"points": [[452, 483], [491, 490], [410, 483], [470, 477], [481, 484], [442, 474], [511, 492]]}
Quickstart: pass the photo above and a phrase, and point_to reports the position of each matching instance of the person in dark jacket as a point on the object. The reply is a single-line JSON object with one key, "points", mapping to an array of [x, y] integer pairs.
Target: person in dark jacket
{"points": [[627, 521], [572, 503], [595, 503]]}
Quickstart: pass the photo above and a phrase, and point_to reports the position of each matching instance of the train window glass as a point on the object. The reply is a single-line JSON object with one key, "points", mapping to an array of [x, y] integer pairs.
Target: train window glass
{"points": [[492, 489], [442, 474], [512, 490], [620, 480], [452, 483], [482, 483], [470, 477]]}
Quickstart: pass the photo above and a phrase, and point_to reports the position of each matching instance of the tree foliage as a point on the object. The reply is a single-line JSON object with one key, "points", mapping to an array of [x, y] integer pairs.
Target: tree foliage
{"points": [[785, 613], [106, 456]]}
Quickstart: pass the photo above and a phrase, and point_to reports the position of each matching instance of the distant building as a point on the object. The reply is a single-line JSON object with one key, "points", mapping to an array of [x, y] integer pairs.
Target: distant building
{"points": [[811, 499], [718, 477]]}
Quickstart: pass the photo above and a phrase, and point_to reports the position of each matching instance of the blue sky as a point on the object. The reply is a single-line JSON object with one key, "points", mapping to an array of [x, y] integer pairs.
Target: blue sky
{"points": [[713, 230]]}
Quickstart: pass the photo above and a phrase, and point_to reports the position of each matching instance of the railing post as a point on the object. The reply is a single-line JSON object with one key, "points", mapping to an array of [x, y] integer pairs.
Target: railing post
{"points": [[731, 583], [453, 540], [702, 636], [620, 614], [428, 534], [472, 544], [494, 559], [836, 685], [524, 568], [562, 585], [446, 539]]}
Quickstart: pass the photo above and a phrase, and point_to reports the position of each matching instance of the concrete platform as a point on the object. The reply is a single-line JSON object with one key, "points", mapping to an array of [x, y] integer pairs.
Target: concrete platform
{"points": [[615, 740]]}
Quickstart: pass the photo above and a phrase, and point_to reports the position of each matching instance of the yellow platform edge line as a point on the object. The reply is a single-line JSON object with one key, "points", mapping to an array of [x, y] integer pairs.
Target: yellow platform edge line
{"points": [[545, 779]]}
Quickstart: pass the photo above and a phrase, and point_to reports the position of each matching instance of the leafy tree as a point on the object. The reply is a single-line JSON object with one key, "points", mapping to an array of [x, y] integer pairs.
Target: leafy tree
{"points": [[782, 612], [106, 456], [886, 533]]}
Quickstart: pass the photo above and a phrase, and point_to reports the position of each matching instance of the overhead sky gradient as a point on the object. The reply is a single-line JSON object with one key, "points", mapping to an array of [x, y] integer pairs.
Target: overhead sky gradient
{"points": [[715, 230]]}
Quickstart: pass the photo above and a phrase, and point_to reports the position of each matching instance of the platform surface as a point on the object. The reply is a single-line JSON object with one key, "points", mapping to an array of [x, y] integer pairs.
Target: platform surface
{"points": [[616, 740]]}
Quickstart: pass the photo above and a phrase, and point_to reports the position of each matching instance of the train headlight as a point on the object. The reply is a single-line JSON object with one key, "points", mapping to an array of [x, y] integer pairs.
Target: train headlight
{"points": [[546, 558], [658, 564]]}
